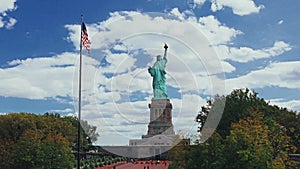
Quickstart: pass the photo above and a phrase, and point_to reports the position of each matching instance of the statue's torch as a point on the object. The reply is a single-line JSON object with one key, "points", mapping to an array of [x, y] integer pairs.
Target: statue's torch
{"points": [[166, 47]]}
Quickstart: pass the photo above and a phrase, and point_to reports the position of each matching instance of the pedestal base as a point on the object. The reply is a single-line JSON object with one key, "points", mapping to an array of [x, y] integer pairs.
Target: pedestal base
{"points": [[160, 118], [160, 128]]}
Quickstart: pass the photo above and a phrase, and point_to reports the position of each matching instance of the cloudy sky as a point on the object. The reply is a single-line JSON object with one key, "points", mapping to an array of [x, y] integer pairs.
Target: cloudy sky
{"points": [[215, 46]]}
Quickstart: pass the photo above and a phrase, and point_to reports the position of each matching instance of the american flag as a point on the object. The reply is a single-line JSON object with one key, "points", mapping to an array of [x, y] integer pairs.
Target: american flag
{"points": [[84, 38]]}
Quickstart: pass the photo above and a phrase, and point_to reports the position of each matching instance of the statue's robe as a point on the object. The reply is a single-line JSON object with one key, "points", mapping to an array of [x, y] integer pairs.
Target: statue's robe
{"points": [[158, 73]]}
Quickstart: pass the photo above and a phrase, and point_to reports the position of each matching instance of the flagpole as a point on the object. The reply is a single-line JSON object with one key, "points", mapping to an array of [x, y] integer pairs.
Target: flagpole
{"points": [[79, 98]]}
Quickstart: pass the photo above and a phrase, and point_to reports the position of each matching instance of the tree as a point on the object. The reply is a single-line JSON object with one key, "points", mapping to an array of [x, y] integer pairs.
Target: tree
{"points": [[33, 141], [281, 144], [281, 126], [209, 117], [238, 105], [208, 155], [248, 145], [202, 115], [291, 123], [6, 153], [27, 152], [90, 131], [69, 126], [55, 148], [179, 154]]}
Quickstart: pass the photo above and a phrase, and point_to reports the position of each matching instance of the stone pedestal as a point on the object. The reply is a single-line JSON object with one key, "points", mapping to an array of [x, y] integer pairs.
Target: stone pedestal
{"points": [[160, 118], [160, 136]]}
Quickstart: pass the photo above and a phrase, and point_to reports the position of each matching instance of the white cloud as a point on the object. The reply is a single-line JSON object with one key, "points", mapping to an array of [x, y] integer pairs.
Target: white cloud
{"points": [[280, 22], [120, 48], [7, 5], [189, 30], [126, 119], [11, 23], [184, 112], [119, 62], [138, 80], [199, 2], [1, 22], [246, 54], [239, 7], [195, 3], [41, 78], [5, 20], [178, 14], [216, 32], [66, 110], [283, 74], [293, 105]]}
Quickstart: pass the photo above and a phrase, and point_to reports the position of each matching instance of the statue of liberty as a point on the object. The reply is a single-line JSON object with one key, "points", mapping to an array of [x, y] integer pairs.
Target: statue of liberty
{"points": [[158, 72]]}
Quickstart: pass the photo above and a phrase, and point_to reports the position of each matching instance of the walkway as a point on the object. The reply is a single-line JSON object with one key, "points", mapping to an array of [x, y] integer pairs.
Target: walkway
{"points": [[139, 165]]}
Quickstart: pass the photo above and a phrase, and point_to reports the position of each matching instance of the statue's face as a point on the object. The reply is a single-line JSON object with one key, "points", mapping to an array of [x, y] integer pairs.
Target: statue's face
{"points": [[158, 57]]}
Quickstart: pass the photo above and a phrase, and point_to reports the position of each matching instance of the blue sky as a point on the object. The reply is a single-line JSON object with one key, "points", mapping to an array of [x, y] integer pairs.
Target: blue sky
{"points": [[215, 46]]}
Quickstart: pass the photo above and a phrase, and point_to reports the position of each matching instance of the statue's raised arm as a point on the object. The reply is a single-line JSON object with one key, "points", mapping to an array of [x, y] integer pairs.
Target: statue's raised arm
{"points": [[165, 54]]}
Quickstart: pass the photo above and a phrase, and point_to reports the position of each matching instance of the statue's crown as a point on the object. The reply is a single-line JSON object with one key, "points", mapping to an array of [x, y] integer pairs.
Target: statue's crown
{"points": [[158, 57]]}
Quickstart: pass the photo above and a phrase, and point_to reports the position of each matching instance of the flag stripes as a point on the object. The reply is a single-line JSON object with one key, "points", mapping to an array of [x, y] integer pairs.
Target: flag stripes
{"points": [[84, 38]]}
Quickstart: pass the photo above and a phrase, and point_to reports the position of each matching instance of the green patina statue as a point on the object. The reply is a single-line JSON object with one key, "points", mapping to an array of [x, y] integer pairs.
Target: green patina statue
{"points": [[158, 72]]}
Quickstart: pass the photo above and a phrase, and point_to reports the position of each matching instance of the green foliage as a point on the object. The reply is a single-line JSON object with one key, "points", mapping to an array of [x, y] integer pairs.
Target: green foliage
{"points": [[239, 105], [208, 155], [58, 151], [251, 134], [179, 155], [27, 149], [31, 141], [248, 143], [6, 155], [88, 133], [199, 156]]}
